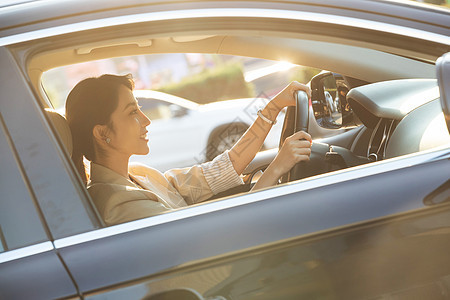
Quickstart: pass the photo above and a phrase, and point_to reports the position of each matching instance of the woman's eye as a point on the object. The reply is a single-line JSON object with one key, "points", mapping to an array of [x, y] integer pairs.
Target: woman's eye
{"points": [[136, 110]]}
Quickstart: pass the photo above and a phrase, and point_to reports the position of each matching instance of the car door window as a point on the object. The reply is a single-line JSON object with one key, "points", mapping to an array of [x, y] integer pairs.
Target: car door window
{"points": [[20, 223]]}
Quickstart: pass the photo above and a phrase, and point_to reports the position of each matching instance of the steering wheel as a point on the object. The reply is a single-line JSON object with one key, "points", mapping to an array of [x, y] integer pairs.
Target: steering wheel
{"points": [[296, 119], [301, 112]]}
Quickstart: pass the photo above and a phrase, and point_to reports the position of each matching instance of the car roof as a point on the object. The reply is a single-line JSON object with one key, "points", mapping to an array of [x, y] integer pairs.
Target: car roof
{"points": [[6, 3], [47, 16]]}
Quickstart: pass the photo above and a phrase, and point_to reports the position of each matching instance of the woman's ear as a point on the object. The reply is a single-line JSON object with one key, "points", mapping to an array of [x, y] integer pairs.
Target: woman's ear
{"points": [[100, 133]]}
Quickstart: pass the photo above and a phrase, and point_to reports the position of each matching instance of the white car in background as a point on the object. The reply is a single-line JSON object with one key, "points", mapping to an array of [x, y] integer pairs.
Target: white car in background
{"points": [[184, 133]]}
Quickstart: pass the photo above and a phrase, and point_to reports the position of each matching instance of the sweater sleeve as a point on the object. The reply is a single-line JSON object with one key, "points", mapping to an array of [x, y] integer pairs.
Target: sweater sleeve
{"points": [[200, 182], [220, 173]]}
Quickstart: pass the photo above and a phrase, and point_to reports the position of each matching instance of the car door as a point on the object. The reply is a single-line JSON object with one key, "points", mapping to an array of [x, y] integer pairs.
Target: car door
{"points": [[27, 256], [377, 231]]}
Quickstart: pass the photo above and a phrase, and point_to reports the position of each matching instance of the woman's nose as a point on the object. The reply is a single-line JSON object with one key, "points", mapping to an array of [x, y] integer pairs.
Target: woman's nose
{"points": [[145, 121]]}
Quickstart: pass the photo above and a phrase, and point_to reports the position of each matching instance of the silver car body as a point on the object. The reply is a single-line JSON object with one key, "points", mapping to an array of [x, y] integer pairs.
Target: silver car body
{"points": [[57, 244]]}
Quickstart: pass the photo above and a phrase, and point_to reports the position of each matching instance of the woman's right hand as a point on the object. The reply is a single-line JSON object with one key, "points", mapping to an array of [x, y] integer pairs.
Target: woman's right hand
{"points": [[295, 149]]}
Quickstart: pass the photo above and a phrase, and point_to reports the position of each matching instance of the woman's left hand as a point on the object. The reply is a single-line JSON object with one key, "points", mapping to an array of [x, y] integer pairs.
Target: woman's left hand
{"points": [[287, 96]]}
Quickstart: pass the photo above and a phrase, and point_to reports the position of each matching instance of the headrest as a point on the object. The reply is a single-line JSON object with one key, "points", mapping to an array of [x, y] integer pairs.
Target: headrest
{"points": [[61, 126]]}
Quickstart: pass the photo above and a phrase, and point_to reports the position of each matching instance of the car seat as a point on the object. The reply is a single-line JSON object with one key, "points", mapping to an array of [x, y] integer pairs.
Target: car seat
{"points": [[62, 129]]}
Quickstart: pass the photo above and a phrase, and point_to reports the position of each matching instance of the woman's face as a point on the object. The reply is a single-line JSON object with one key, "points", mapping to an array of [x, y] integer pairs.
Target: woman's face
{"points": [[129, 134]]}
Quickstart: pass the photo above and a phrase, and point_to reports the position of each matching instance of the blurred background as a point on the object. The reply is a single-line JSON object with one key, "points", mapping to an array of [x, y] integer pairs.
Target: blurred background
{"points": [[201, 78]]}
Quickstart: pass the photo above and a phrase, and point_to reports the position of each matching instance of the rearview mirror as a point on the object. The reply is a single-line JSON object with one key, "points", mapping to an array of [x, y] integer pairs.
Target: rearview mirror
{"points": [[329, 102]]}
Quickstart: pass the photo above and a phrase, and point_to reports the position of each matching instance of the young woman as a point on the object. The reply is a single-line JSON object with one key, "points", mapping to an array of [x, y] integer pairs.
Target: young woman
{"points": [[108, 127]]}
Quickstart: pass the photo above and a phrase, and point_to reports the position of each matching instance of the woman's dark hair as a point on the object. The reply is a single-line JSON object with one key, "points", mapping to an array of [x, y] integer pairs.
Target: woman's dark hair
{"points": [[91, 102]]}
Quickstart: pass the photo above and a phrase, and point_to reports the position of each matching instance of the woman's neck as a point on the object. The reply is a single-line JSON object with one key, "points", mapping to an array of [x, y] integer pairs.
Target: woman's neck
{"points": [[117, 164]]}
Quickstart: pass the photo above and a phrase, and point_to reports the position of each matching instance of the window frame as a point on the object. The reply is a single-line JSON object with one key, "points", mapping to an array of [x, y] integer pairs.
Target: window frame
{"points": [[60, 197]]}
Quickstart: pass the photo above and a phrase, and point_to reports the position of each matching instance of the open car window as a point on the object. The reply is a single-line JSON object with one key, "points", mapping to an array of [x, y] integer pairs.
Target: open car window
{"points": [[197, 100], [201, 104]]}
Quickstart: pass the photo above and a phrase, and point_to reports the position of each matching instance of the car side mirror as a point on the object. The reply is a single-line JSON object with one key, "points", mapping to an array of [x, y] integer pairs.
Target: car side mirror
{"points": [[177, 111], [443, 76], [329, 102]]}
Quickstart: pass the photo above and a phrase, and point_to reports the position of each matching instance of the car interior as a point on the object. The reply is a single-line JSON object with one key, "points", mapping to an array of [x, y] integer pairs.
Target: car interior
{"points": [[399, 117], [393, 97]]}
